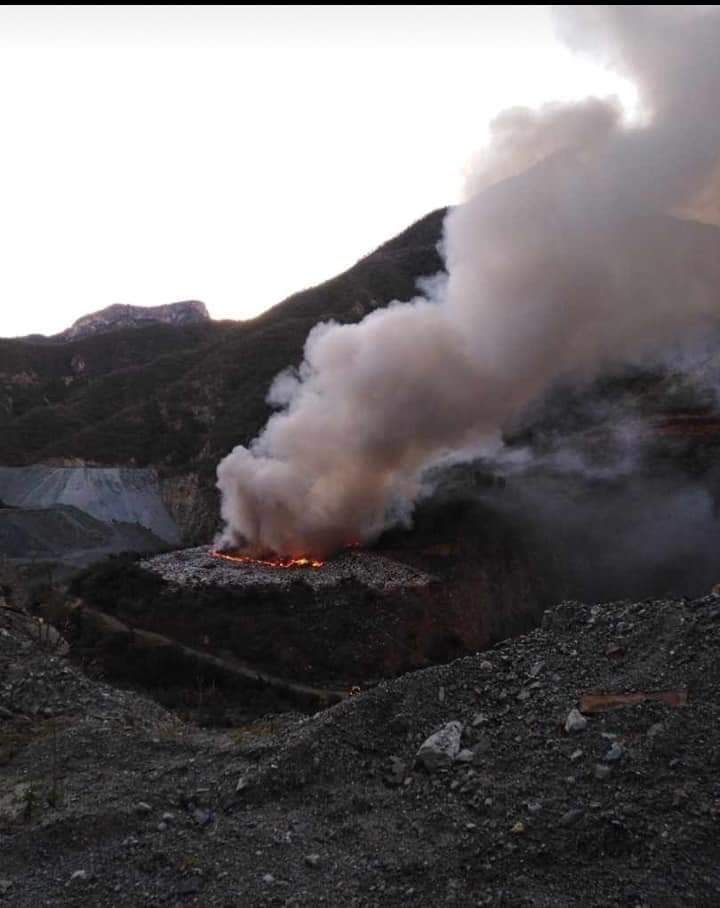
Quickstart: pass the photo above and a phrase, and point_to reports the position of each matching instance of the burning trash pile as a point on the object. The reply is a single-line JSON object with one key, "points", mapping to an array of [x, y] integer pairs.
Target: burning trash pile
{"points": [[349, 621], [206, 566]]}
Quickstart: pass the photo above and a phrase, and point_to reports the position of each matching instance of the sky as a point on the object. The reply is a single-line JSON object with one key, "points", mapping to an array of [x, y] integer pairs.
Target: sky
{"points": [[236, 155]]}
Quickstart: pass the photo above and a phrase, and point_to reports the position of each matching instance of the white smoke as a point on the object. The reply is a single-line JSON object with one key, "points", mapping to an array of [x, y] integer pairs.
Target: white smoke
{"points": [[563, 259]]}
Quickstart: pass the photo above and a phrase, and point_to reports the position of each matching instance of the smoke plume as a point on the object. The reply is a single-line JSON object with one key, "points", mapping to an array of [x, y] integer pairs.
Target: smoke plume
{"points": [[567, 256]]}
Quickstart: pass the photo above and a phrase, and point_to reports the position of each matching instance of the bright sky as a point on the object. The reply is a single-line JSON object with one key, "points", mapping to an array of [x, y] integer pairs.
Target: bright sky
{"points": [[235, 155]]}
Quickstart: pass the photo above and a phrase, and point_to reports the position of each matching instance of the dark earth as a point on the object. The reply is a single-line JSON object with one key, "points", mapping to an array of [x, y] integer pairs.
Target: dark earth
{"points": [[108, 800]]}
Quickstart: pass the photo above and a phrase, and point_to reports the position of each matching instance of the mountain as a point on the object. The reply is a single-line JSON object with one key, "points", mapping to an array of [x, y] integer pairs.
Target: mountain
{"points": [[121, 315], [179, 395]]}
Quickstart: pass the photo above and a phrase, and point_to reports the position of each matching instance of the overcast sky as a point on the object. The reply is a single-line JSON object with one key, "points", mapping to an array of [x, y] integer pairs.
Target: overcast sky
{"points": [[238, 154]]}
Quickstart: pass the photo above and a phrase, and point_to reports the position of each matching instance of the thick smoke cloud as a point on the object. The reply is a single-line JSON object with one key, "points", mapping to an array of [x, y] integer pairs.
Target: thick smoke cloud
{"points": [[563, 259]]}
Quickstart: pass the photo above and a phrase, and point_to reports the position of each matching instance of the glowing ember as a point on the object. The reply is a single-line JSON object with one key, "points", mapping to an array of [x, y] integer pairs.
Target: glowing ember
{"points": [[269, 562]]}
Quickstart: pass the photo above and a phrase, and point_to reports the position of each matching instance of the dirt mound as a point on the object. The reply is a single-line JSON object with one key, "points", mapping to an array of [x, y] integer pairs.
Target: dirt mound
{"points": [[66, 534], [554, 799]]}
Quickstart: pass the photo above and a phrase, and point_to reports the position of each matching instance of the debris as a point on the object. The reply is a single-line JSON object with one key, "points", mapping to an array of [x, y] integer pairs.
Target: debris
{"points": [[600, 702]]}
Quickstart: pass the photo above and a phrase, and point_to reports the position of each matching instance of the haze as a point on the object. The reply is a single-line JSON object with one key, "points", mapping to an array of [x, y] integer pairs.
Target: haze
{"points": [[239, 154]]}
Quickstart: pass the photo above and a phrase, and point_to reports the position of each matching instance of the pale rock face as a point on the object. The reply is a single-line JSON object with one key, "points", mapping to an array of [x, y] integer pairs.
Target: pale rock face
{"points": [[125, 316], [121, 494]]}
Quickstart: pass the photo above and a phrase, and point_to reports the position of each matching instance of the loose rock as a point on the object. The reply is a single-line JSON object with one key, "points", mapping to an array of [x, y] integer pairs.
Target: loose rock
{"points": [[575, 722], [441, 748]]}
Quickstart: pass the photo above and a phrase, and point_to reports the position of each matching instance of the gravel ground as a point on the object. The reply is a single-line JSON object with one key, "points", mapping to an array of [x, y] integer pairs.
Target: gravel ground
{"points": [[106, 800]]}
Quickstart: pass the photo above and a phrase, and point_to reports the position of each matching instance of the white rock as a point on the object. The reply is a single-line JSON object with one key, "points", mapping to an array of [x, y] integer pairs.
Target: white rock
{"points": [[614, 754], [575, 721], [440, 749]]}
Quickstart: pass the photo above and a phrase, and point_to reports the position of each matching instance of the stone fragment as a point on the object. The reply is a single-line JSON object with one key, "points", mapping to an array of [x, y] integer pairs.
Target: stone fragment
{"points": [[570, 817], [575, 722], [614, 754], [202, 816], [441, 748]]}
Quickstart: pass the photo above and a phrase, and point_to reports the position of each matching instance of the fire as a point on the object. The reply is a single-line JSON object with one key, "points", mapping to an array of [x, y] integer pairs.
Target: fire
{"points": [[301, 562]]}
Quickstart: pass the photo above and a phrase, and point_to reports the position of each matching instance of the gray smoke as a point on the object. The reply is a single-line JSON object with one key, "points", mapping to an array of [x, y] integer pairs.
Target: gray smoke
{"points": [[564, 259]]}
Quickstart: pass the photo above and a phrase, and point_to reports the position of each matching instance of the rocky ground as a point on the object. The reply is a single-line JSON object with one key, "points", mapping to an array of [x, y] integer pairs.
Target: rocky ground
{"points": [[535, 794]]}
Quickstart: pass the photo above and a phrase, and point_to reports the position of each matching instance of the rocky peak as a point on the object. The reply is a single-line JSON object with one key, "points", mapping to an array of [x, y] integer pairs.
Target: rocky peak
{"points": [[121, 315]]}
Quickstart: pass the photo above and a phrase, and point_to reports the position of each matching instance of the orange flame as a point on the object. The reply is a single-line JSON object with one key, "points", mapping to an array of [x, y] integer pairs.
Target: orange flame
{"points": [[269, 562]]}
